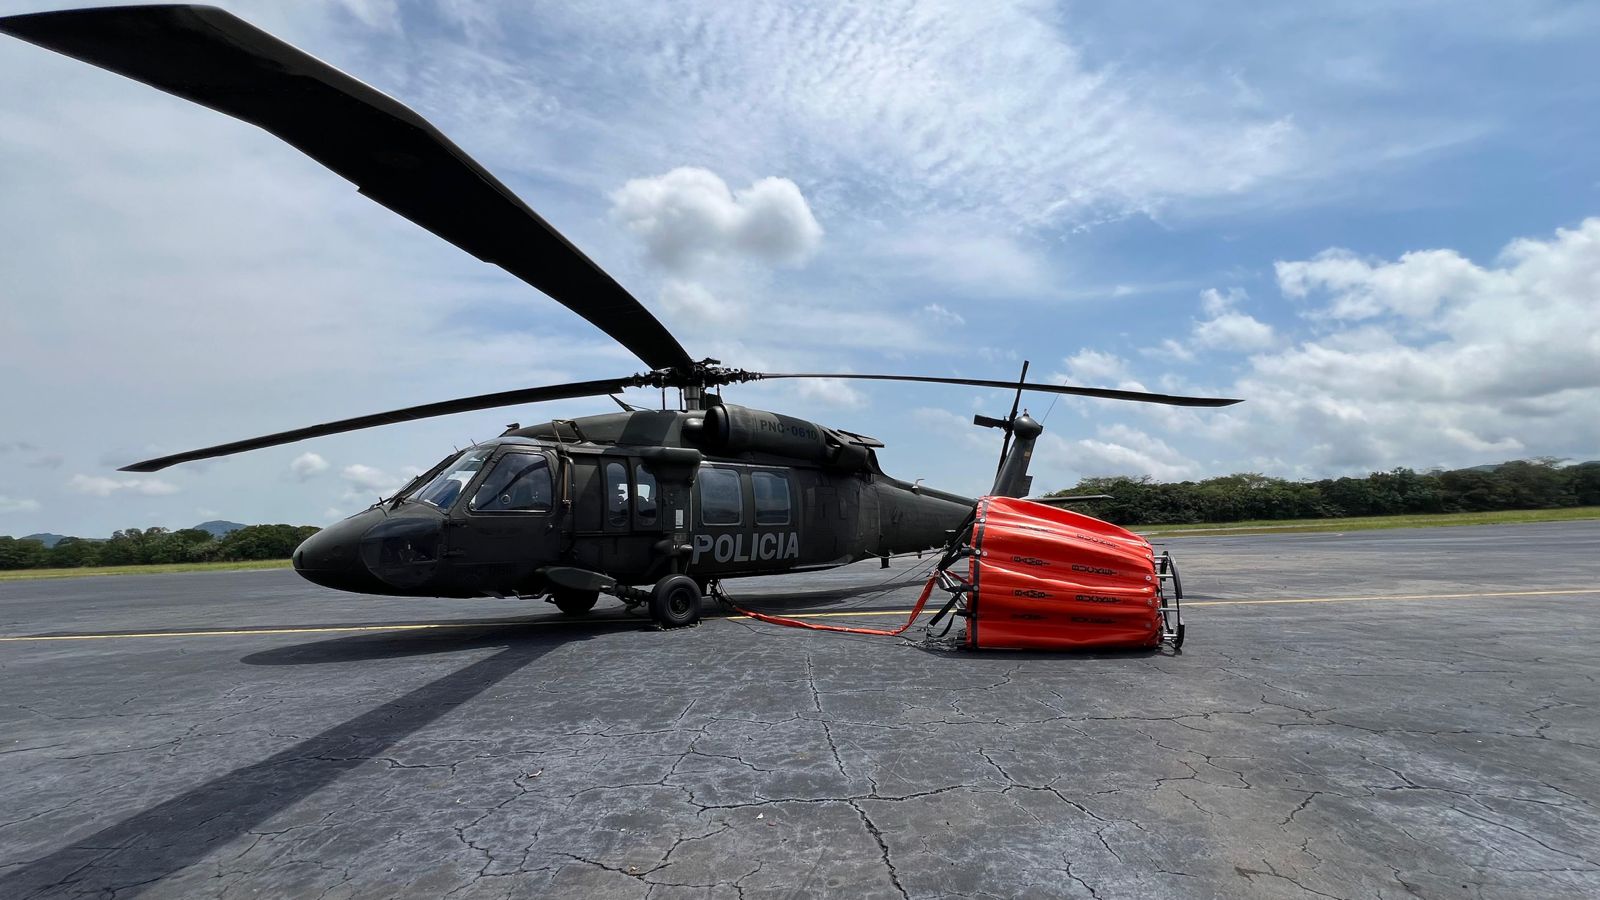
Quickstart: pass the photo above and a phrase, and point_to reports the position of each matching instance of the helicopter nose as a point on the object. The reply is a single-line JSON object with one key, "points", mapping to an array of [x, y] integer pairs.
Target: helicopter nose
{"points": [[332, 557], [404, 551]]}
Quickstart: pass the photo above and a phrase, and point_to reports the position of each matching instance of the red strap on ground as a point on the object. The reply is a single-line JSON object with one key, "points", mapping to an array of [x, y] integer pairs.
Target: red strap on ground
{"points": [[922, 601]]}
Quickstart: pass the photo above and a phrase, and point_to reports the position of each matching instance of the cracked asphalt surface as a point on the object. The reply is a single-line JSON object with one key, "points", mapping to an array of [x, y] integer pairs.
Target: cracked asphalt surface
{"points": [[1445, 745]]}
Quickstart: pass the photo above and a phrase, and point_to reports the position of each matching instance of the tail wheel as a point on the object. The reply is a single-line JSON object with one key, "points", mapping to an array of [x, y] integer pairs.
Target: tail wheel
{"points": [[574, 603], [675, 602]]}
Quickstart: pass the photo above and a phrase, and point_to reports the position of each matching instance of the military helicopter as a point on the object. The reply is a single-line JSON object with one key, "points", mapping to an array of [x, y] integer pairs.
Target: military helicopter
{"points": [[567, 509]]}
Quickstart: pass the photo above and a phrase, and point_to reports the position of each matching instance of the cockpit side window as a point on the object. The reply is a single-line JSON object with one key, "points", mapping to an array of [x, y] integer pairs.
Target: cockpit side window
{"points": [[519, 482], [443, 489]]}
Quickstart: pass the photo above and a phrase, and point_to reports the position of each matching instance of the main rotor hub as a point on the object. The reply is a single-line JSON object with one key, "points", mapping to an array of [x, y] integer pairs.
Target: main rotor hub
{"points": [[694, 381], [706, 373]]}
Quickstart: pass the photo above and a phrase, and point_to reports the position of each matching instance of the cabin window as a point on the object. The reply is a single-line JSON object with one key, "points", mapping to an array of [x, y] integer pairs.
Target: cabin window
{"points": [[617, 494], [772, 497], [519, 482], [645, 500], [721, 500]]}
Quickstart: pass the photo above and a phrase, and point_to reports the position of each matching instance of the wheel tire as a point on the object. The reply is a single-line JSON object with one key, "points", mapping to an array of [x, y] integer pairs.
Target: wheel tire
{"points": [[675, 602], [574, 603]]}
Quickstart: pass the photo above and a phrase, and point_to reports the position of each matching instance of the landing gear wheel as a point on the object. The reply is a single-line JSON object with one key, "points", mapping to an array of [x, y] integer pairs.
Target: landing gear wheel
{"points": [[574, 603], [675, 602]]}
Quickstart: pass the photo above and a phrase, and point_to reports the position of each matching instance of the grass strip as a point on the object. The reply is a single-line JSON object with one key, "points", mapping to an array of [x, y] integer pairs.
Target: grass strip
{"points": [[154, 569], [1373, 523]]}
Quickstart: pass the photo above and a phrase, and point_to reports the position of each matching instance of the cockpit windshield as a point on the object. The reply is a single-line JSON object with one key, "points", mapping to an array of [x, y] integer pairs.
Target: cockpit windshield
{"points": [[442, 489]]}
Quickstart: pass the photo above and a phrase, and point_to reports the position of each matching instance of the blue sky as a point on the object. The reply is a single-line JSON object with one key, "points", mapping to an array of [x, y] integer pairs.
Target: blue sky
{"points": [[1371, 220]]}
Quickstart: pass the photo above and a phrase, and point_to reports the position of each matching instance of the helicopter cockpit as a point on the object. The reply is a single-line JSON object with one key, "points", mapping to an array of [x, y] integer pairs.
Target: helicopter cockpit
{"points": [[497, 500], [519, 481]]}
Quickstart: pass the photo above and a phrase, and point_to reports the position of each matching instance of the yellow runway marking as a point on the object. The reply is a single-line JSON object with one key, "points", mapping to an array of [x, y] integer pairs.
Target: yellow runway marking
{"points": [[1189, 603], [1564, 593], [862, 614]]}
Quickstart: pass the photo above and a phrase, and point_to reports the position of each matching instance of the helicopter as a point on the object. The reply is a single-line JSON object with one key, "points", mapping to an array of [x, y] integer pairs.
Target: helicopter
{"points": [[648, 505]]}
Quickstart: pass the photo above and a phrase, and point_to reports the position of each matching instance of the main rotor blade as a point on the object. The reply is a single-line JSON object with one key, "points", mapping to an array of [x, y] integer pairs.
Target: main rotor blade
{"points": [[1107, 393], [427, 410], [393, 155]]}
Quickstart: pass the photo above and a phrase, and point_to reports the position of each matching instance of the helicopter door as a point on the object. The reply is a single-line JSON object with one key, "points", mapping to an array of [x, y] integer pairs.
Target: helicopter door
{"points": [[720, 521], [775, 542], [507, 521]]}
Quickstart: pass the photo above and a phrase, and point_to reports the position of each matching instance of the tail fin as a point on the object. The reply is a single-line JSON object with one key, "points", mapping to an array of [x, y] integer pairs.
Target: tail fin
{"points": [[1013, 480]]}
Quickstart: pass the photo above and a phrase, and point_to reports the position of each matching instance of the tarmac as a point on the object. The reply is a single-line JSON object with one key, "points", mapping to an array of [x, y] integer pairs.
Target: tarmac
{"points": [[1375, 714]]}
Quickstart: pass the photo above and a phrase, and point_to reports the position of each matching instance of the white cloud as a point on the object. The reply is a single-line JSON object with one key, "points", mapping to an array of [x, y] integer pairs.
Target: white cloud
{"points": [[1412, 287], [307, 466], [693, 303], [1234, 331], [1214, 302], [938, 315], [371, 478], [1170, 348], [367, 481], [1429, 359], [831, 392], [1449, 330], [961, 253], [688, 216], [382, 15], [1095, 367], [1227, 328], [100, 486], [1115, 450], [17, 504], [940, 106], [958, 433]]}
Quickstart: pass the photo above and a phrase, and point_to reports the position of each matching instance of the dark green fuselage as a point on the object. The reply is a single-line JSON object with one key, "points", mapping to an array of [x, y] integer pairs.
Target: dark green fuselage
{"points": [[637, 496]]}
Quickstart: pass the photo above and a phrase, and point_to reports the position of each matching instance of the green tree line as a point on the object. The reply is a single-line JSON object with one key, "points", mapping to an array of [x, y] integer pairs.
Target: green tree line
{"points": [[146, 546], [1523, 484]]}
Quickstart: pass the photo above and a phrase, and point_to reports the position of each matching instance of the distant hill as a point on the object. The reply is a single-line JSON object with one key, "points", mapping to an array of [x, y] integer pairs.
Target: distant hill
{"points": [[49, 540], [218, 528]]}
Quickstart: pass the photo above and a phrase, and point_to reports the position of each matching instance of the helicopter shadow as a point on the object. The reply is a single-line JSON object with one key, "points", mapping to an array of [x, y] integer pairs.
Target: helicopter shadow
{"points": [[826, 598], [443, 636], [135, 854]]}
